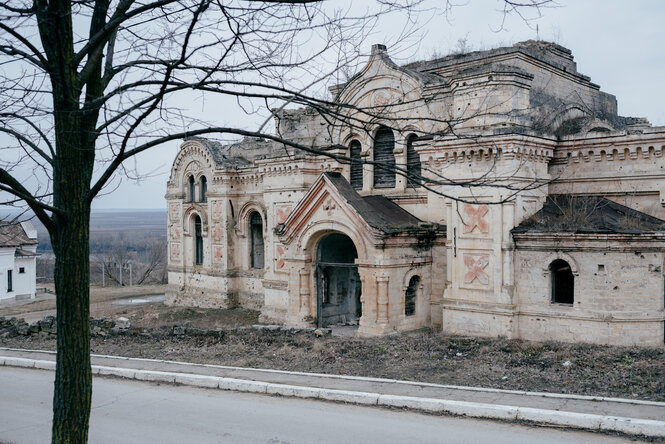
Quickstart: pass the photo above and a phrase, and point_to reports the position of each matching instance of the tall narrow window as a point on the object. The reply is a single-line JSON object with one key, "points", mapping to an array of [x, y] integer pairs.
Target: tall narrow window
{"points": [[384, 158], [204, 188], [563, 284], [192, 195], [198, 234], [10, 283], [356, 165], [256, 240], [413, 167], [410, 296]]}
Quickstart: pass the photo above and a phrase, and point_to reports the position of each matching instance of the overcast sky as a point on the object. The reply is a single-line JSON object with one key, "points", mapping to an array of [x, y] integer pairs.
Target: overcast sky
{"points": [[618, 44]]}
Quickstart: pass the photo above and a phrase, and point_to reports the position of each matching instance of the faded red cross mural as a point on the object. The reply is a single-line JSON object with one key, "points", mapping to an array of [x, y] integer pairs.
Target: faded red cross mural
{"points": [[173, 211], [475, 268], [476, 215], [218, 253], [174, 232], [283, 214], [175, 251], [217, 209], [280, 259], [217, 232]]}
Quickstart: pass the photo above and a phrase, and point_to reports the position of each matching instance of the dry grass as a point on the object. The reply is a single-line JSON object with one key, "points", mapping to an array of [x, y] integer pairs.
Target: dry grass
{"points": [[628, 372]]}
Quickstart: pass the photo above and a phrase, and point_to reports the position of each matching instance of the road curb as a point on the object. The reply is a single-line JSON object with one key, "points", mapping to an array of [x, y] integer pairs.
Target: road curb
{"points": [[631, 426], [566, 396]]}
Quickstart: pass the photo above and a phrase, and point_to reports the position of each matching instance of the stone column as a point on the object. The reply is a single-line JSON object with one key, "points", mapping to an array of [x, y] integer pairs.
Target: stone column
{"points": [[507, 243], [382, 306], [304, 291]]}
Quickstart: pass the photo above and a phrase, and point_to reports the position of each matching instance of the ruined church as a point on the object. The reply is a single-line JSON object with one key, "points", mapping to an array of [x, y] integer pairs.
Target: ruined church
{"points": [[496, 193]]}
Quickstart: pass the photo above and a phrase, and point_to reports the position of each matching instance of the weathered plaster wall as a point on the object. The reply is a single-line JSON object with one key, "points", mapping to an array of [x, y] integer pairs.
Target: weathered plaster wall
{"points": [[626, 168], [618, 292]]}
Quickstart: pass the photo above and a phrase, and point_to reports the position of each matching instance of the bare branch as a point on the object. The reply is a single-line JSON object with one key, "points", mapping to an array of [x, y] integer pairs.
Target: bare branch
{"points": [[12, 186]]}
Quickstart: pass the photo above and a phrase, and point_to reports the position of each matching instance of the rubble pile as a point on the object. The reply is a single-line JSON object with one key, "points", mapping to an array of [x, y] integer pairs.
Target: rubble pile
{"points": [[10, 327]]}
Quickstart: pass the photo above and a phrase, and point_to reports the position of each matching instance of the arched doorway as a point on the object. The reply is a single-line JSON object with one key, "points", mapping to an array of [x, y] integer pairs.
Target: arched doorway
{"points": [[338, 285]]}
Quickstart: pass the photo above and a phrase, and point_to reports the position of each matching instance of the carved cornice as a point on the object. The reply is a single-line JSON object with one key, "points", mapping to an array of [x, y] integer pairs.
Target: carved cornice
{"points": [[447, 150], [601, 242], [622, 147], [256, 174]]}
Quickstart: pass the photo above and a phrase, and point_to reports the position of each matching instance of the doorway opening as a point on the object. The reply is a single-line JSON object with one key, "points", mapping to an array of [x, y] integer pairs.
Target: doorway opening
{"points": [[338, 286]]}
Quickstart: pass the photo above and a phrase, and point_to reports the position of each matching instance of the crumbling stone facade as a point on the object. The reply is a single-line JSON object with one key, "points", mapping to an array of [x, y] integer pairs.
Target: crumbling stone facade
{"points": [[495, 193]]}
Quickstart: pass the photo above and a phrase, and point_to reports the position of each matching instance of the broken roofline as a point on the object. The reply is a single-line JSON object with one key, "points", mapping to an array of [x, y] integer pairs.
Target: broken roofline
{"points": [[549, 53]]}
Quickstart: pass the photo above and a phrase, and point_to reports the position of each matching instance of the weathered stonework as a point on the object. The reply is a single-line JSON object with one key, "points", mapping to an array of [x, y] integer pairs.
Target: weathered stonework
{"points": [[498, 133]]}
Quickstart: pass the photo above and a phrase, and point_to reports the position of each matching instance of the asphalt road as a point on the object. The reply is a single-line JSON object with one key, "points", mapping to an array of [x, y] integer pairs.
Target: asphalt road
{"points": [[135, 412]]}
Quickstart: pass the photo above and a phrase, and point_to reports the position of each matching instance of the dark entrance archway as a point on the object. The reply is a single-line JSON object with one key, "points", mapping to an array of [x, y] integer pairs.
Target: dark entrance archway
{"points": [[338, 285]]}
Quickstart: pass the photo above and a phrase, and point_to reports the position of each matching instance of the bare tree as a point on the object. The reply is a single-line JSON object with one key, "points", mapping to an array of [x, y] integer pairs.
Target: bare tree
{"points": [[87, 85], [115, 263]]}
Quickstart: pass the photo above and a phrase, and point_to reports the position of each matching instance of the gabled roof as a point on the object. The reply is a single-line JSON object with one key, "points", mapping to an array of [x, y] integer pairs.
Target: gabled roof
{"points": [[377, 211], [588, 214], [13, 234]]}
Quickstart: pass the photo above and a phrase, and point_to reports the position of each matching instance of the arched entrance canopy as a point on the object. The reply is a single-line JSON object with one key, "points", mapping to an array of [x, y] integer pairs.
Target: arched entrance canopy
{"points": [[330, 233]]}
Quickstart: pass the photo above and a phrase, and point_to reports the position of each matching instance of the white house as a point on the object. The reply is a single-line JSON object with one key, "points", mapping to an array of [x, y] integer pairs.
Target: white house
{"points": [[18, 260]]}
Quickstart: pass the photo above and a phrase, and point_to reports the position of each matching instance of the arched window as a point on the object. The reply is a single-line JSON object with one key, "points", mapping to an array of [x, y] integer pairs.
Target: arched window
{"points": [[204, 188], [562, 282], [192, 192], [198, 235], [356, 165], [256, 240], [410, 296], [413, 168], [384, 168]]}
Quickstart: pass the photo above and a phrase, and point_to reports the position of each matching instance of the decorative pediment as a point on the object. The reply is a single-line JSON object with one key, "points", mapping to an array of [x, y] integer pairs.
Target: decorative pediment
{"points": [[193, 154], [381, 83], [331, 199], [383, 93], [322, 203]]}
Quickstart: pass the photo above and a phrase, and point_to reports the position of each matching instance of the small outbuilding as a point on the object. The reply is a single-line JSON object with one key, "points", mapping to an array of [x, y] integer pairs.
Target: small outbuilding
{"points": [[590, 269], [18, 260]]}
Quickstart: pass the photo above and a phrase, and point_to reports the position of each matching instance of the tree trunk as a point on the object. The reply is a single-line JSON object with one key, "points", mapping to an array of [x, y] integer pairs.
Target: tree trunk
{"points": [[73, 376], [70, 237]]}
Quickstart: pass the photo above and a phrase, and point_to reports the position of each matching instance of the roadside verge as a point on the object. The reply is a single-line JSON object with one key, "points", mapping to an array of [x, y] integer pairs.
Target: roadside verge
{"points": [[304, 386]]}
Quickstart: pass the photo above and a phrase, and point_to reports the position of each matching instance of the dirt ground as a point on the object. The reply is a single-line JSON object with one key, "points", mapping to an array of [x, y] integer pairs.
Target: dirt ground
{"points": [[101, 298], [629, 372]]}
